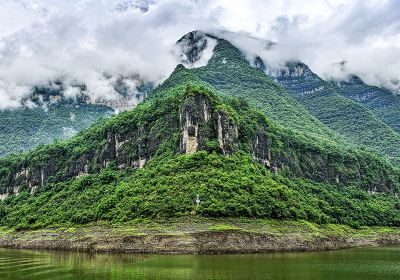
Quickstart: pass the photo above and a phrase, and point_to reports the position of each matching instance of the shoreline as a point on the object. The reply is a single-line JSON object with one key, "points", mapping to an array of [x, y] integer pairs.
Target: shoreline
{"points": [[204, 236]]}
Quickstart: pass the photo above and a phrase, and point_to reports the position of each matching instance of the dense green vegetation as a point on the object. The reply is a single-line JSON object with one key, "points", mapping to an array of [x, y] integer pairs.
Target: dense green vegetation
{"points": [[25, 128], [234, 186], [167, 187], [283, 164], [352, 120], [229, 72], [381, 101]]}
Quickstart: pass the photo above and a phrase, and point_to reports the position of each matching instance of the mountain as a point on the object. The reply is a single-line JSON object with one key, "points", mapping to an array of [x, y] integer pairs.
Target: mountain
{"points": [[228, 71], [196, 135], [50, 114], [354, 121], [26, 128], [384, 103]]}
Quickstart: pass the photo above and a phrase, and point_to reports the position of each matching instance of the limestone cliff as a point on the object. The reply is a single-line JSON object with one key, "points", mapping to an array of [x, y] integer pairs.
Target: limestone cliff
{"points": [[197, 122], [193, 122]]}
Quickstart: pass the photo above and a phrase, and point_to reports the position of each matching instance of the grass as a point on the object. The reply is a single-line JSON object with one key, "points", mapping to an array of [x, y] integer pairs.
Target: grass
{"points": [[199, 224]]}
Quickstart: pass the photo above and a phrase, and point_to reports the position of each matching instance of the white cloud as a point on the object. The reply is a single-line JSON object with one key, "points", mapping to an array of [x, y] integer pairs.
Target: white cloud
{"points": [[68, 132], [365, 34], [80, 40], [13, 100]]}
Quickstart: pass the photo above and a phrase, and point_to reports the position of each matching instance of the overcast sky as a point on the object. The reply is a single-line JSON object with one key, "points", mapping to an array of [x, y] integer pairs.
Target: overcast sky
{"points": [[79, 40]]}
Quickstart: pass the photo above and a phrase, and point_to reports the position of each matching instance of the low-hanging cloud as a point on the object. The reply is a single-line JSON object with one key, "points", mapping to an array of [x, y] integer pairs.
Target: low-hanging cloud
{"points": [[83, 41], [87, 41], [365, 35]]}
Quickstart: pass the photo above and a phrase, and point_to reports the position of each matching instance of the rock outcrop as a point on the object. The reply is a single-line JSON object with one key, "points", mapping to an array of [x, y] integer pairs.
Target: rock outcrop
{"points": [[198, 122], [187, 239], [194, 118]]}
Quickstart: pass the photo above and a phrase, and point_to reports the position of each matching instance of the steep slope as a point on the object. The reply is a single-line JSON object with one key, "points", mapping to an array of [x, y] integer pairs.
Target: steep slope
{"points": [[352, 120], [49, 114], [25, 128], [228, 71], [384, 103], [297, 98], [185, 140]]}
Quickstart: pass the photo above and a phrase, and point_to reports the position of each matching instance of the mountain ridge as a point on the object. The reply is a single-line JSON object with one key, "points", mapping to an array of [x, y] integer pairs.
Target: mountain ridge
{"points": [[52, 113], [178, 136], [349, 118], [194, 136], [383, 102]]}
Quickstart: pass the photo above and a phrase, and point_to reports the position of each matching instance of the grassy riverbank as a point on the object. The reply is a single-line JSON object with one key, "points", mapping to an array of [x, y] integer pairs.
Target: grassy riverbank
{"points": [[201, 235]]}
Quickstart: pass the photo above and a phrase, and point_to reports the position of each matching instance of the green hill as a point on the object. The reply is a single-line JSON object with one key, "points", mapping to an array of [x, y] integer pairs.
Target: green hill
{"points": [[354, 121], [229, 72], [48, 115], [384, 103], [189, 139], [26, 128], [225, 133]]}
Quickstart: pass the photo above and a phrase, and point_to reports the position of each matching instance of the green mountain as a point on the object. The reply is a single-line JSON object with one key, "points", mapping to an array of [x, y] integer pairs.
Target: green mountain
{"points": [[25, 128], [384, 103], [354, 121], [190, 139], [225, 133], [229, 72], [47, 115]]}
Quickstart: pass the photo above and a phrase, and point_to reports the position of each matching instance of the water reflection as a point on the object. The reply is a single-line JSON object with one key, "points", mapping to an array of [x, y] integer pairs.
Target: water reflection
{"points": [[371, 263]]}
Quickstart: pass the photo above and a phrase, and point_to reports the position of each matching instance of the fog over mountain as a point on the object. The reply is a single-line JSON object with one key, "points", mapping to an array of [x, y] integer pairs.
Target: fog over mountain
{"points": [[85, 41]]}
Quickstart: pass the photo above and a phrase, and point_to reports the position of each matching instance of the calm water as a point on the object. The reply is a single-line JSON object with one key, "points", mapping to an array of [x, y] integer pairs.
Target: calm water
{"points": [[372, 263]]}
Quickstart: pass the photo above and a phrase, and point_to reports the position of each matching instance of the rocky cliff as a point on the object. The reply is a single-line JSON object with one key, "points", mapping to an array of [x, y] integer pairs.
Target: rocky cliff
{"points": [[196, 121], [193, 121]]}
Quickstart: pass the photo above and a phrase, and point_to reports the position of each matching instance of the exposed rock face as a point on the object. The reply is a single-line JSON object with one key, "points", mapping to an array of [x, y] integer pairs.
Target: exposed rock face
{"points": [[194, 117], [227, 133], [31, 177], [200, 122], [261, 148], [196, 123], [195, 49]]}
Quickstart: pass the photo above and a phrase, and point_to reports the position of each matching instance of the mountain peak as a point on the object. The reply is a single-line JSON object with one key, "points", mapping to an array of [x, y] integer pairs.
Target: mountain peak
{"points": [[356, 80], [291, 69], [195, 49]]}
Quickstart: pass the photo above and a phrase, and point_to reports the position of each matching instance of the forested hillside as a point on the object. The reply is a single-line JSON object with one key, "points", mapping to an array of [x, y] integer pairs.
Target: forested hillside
{"points": [[48, 114], [25, 128], [352, 120], [190, 139], [298, 99], [229, 72], [226, 133], [384, 103]]}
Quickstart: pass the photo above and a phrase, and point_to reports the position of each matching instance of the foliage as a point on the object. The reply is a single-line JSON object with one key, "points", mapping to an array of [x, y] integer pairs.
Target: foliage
{"points": [[235, 77], [381, 101], [167, 187], [234, 186], [354, 121], [26, 128]]}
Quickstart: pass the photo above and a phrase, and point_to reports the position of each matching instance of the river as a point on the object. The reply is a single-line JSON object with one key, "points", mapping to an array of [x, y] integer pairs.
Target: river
{"points": [[361, 263]]}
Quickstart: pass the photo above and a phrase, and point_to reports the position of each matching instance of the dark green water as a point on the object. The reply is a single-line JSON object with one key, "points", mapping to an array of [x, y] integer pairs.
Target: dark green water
{"points": [[371, 263]]}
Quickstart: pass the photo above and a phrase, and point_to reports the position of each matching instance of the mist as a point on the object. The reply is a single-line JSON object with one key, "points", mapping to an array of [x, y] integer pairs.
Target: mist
{"points": [[83, 41]]}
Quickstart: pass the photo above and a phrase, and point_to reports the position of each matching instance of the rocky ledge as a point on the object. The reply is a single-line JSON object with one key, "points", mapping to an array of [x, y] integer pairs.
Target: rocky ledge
{"points": [[206, 238]]}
